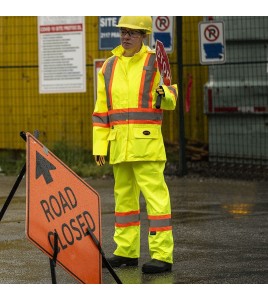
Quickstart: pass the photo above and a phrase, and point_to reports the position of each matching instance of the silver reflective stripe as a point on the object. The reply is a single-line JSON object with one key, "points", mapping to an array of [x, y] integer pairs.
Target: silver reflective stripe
{"points": [[172, 89], [129, 116], [160, 223], [100, 119], [127, 219], [107, 78], [149, 76]]}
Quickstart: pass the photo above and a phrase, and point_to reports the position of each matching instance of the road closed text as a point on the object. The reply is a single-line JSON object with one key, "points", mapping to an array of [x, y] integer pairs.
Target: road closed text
{"points": [[76, 228]]}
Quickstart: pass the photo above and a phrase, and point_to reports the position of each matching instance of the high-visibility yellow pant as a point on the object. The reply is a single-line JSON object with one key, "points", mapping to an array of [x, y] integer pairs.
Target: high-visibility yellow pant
{"points": [[131, 178]]}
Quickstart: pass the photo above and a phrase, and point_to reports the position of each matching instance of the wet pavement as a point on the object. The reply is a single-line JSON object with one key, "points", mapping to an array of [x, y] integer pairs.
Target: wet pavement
{"points": [[220, 232]]}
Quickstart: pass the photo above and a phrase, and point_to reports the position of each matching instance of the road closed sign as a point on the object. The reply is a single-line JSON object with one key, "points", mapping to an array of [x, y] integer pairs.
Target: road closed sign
{"points": [[60, 202], [211, 43]]}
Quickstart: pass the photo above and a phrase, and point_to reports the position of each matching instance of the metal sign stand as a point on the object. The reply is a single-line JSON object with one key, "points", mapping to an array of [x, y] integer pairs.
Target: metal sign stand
{"points": [[15, 186], [53, 260], [104, 260], [8, 201]]}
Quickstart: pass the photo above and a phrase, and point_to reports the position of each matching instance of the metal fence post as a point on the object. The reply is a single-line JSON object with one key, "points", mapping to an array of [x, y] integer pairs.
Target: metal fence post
{"points": [[182, 158]]}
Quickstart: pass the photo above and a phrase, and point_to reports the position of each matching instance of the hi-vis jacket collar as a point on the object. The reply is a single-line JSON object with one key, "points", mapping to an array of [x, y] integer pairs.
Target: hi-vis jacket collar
{"points": [[119, 50]]}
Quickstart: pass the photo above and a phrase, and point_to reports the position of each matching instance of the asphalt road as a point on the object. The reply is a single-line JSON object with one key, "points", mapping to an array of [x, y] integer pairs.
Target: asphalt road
{"points": [[220, 231]]}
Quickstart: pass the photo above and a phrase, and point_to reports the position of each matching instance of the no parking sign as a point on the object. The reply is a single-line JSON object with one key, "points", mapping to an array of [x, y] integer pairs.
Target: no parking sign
{"points": [[163, 30], [211, 42]]}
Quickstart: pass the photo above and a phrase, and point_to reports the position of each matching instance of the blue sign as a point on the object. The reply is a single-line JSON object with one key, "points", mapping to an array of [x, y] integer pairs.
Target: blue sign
{"points": [[109, 36], [215, 50], [164, 37]]}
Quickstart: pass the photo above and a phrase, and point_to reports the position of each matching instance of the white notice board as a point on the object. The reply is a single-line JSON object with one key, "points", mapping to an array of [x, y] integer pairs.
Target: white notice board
{"points": [[62, 58]]}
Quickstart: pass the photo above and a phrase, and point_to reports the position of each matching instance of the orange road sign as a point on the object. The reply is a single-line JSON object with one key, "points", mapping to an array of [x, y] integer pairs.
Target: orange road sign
{"points": [[59, 201]]}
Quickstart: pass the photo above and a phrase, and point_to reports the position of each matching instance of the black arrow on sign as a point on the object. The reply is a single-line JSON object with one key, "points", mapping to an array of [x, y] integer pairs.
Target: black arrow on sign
{"points": [[43, 167]]}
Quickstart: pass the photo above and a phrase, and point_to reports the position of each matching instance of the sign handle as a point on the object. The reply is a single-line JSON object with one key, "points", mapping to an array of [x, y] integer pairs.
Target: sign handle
{"points": [[158, 101], [104, 260], [53, 260]]}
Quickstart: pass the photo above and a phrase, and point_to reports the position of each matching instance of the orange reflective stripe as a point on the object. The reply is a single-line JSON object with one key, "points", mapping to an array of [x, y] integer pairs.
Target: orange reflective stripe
{"points": [[132, 212], [160, 223], [147, 79], [126, 219], [127, 224], [108, 77], [135, 116], [150, 217], [166, 228], [173, 91], [104, 67], [100, 119]]}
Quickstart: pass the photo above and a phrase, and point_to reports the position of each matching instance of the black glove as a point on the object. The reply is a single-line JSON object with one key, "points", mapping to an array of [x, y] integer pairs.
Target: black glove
{"points": [[100, 160], [160, 91]]}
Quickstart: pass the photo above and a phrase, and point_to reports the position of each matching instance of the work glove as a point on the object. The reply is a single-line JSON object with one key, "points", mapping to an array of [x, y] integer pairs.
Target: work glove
{"points": [[100, 160], [160, 91]]}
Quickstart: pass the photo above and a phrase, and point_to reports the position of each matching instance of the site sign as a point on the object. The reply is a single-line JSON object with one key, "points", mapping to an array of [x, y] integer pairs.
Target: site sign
{"points": [[60, 202], [109, 36]]}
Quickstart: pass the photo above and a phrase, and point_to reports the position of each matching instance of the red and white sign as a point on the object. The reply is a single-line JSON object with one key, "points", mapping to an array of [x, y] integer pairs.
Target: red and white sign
{"points": [[212, 48], [163, 30], [163, 63], [61, 54], [60, 202]]}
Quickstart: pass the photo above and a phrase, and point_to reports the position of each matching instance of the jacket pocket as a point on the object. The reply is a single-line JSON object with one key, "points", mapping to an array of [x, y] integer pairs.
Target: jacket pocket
{"points": [[112, 135], [146, 133], [147, 144]]}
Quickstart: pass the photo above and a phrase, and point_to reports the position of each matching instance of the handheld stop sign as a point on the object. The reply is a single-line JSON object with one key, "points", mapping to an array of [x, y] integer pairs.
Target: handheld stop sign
{"points": [[163, 67], [163, 63]]}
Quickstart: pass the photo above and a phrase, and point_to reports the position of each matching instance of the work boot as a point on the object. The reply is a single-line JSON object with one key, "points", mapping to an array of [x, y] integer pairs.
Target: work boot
{"points": [[156, 266], [117, 261]]}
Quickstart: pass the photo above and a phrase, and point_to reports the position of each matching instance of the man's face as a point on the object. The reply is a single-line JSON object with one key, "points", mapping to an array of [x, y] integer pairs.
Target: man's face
{"points": [[131, 39]]}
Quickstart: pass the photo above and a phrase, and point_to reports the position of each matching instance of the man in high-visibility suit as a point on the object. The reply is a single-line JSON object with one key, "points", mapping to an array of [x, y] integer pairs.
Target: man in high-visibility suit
{"points": [[126, 119]]}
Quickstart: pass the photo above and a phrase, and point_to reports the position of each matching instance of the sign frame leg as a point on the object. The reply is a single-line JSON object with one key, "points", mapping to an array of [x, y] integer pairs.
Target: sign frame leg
{"points": [[104, 260], [15, 186], [53, 260]]}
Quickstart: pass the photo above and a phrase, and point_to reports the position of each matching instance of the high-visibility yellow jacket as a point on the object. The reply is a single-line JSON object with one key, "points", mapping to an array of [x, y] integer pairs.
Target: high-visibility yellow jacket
{"points": [[125, 115]]}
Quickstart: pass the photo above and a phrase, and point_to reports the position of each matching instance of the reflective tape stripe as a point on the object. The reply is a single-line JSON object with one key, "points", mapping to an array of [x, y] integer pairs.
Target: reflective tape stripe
{"points": [[173, 91], [126, 116], [108, 73], [144, 116], [153, 229], [131, 218], [100, 119], [160, 223], [148, 75]]}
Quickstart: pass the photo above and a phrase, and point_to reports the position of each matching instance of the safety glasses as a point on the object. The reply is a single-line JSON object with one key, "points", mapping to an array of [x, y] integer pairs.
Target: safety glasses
{"points": [[132, 33]]}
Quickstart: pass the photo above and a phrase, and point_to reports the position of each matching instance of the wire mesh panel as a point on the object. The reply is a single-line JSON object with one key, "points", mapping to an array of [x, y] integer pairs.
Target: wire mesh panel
{"points": [[63, 119], [225, 105]]}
